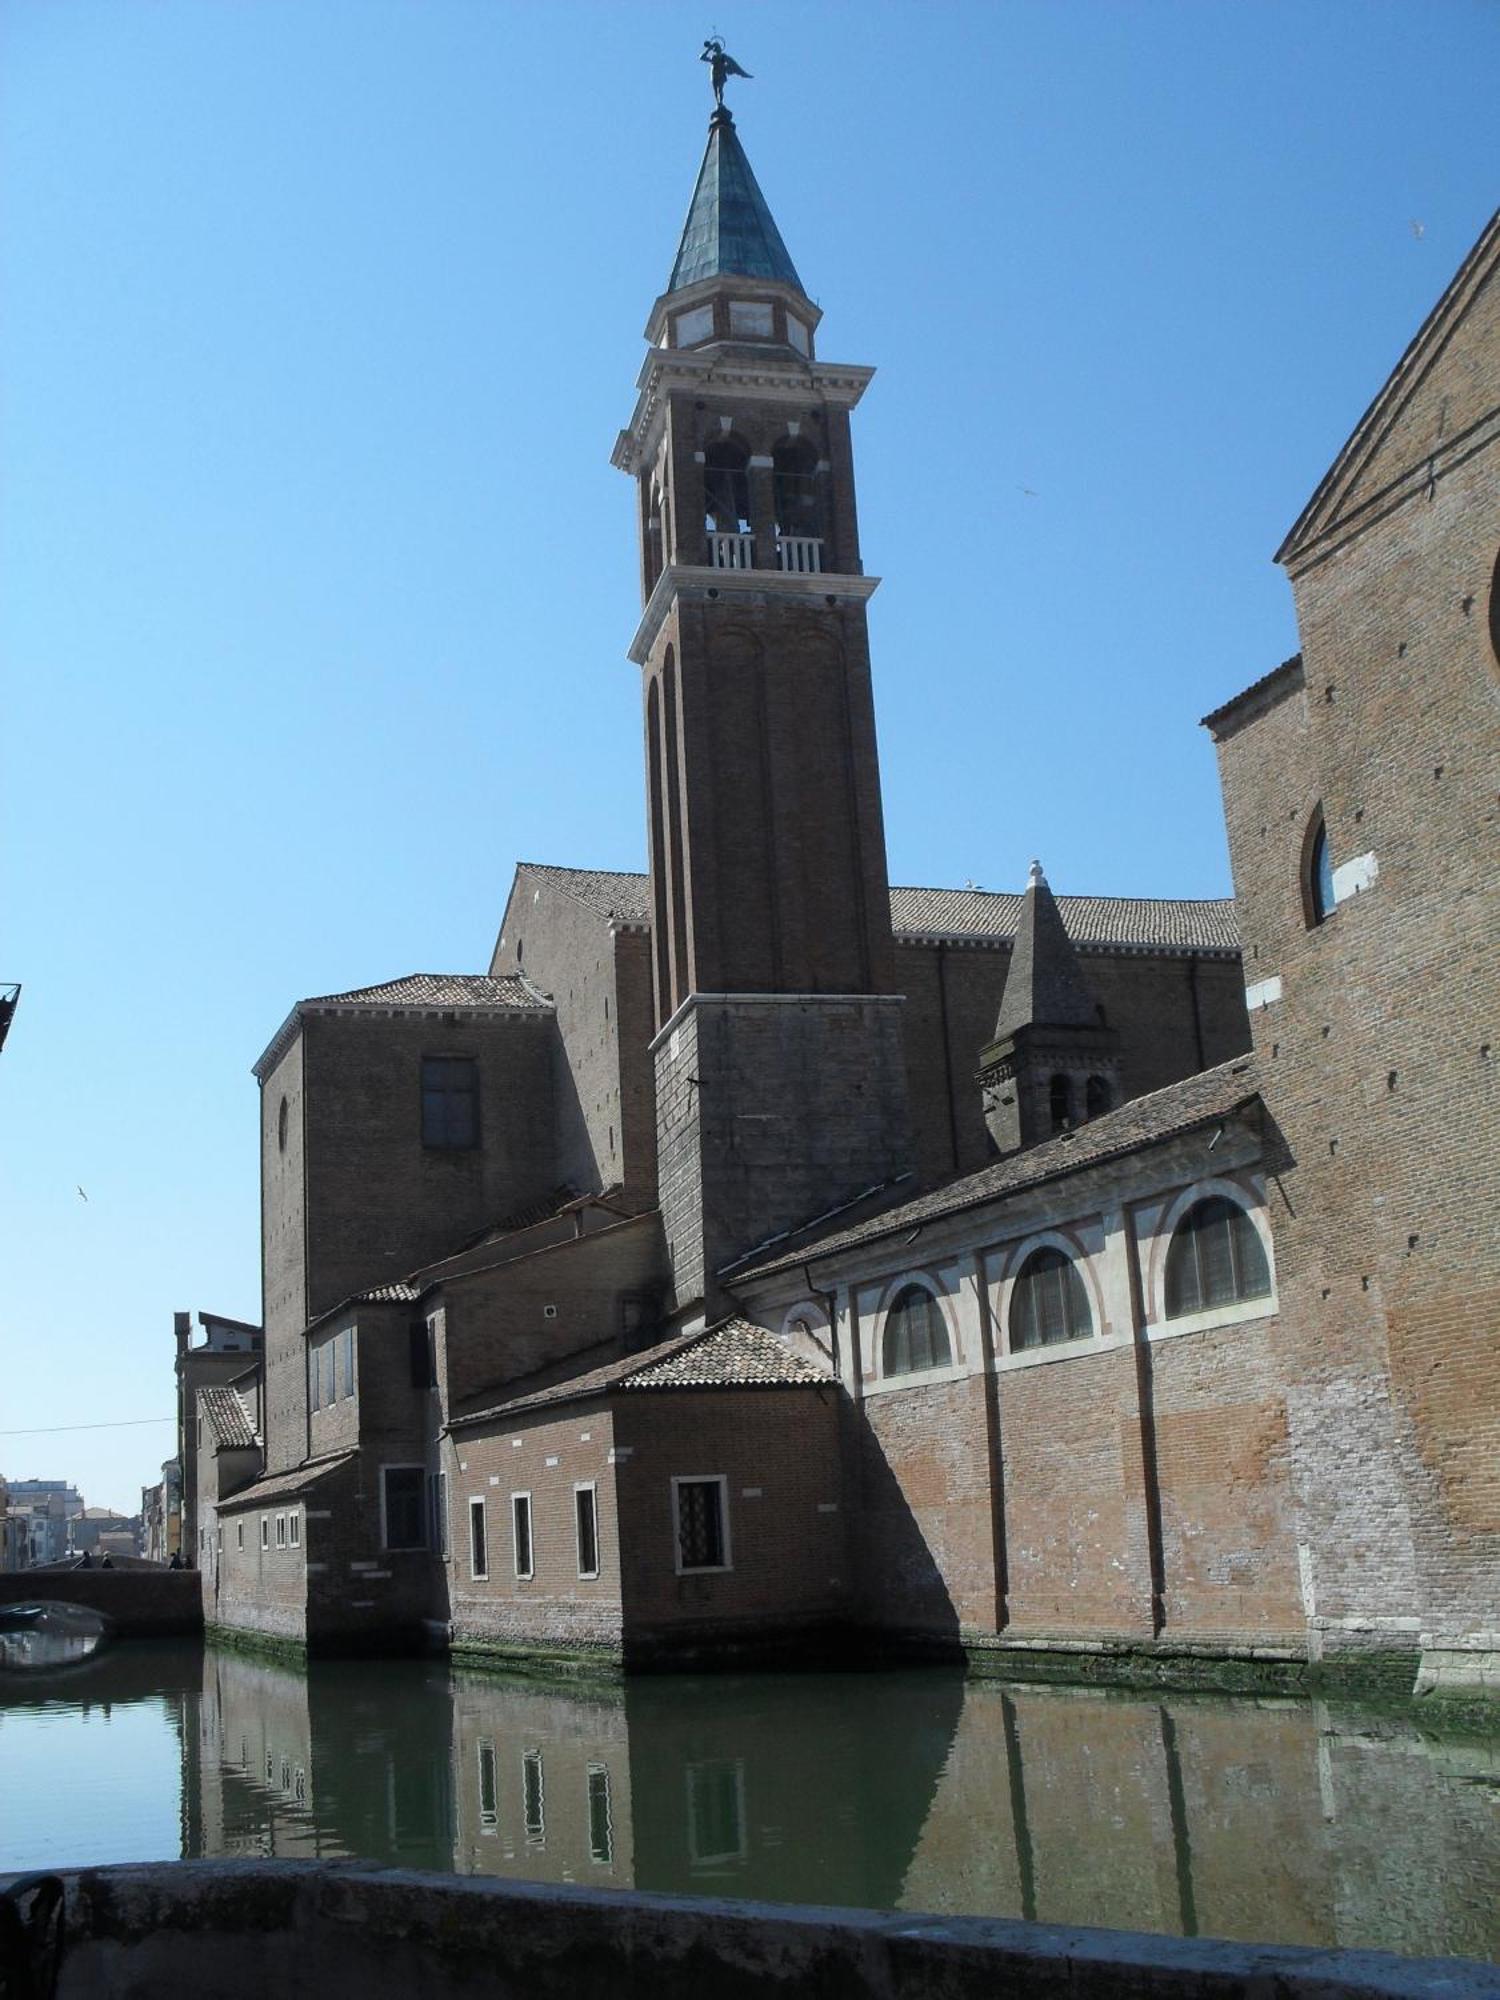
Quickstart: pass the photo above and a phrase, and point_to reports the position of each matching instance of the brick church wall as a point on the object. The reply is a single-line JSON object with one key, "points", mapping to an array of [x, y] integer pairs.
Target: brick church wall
{"points": [[1379, 1058]]}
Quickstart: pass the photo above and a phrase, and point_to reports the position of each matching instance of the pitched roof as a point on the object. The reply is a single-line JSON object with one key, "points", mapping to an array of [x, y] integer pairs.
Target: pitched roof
{"points": [[732, 1355], [228, 1419], [437, 989], [1044, 987], [729, 228], [301, 1479], [1144, 1121], [1339, 496], [1270, 687], [417, 993], [1098, 923], [399, 1293]]}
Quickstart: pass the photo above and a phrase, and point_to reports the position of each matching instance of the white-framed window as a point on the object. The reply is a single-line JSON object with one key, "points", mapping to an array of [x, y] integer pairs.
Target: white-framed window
{"points": [[523, 1554], [479, 1550], [294, 1529], [281, 1531], [265, 1531], [586, 1527], [403, 1506], [700, 1522]]}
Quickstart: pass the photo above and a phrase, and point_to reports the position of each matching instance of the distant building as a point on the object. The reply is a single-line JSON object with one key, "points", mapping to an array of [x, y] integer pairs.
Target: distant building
{"points": [[45, 1510], [161, 1514], [761, 1258]]}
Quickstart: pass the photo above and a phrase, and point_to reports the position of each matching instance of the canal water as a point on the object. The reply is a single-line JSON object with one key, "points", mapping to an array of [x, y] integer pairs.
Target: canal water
{"points": [[1299, 1822]]}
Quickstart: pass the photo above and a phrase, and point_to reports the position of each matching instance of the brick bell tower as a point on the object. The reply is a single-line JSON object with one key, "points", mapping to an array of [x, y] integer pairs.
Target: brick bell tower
{"points": [[779, 1062]]}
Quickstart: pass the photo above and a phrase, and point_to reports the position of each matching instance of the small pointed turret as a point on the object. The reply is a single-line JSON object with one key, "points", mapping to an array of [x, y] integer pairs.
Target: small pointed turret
{"points": [[729, 230], [1053, 1062]]}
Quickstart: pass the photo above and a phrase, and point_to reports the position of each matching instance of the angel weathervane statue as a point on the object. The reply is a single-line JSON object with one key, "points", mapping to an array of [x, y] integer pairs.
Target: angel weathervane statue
{"points": [[721, 65]]}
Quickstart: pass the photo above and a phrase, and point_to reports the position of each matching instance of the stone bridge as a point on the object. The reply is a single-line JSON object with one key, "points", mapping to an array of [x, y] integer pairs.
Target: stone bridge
{"points": [[144, 1603]]}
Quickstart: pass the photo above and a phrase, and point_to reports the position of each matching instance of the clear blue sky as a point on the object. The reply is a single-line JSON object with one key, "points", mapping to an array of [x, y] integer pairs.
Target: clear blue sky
{"points": [[322, 316]]}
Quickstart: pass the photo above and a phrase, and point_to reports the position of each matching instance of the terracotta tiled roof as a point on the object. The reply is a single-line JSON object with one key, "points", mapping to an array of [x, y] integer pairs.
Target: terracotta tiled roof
{"points": [[289, 1485], [228, 1418], [1213, 1093], [731, 1355], [437, 989], [398, 1294], [1129, 923], [422, 992], [1124, 923], [734, 1355]]}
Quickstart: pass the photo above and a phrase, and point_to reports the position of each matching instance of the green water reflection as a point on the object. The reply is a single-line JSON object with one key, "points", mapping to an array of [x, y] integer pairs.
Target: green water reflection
{"points": [[1292, 1821]]}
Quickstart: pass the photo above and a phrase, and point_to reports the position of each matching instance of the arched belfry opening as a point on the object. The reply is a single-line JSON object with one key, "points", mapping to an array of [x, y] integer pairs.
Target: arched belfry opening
{"points": [[726, 504], [797, 496]]}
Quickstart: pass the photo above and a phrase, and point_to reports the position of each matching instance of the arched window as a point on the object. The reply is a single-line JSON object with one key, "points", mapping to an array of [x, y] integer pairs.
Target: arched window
{"points": [[726, 488], [1060, 1098], [1317, 873], [281, 1125], [1096, 1096], [1215, 1257], [1048, 1302], [916, 1335], [799, 507]]}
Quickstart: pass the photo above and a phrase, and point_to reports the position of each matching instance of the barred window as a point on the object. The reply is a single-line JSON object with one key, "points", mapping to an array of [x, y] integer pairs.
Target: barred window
{"points": [[1048, 1302], [702, 1531], [1215, 1258], [916, 1334], [450, 1102]]}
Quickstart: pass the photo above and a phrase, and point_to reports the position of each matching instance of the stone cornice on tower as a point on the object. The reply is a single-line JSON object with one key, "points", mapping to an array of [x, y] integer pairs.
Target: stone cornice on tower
{"points": [[727, 369]]}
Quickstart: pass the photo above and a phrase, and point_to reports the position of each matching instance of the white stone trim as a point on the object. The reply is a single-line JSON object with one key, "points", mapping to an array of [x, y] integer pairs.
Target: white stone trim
{"points": [[479, 1575], [1264, 993], [876, 1378], [1352, 878]]}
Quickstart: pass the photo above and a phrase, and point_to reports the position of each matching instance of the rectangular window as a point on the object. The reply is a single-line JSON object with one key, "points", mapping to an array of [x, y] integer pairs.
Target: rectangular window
{"points": [[479, 1555], [601, 1820], [346, 1340], [294, 1530], [239, 1534], [586, 1518], [520, 1520], [422, 1346], [281, 1531], [534, 1798], [265, 1531], [701, 1515], [750, 316], [403, 1504], [437, 1513], [314, 1379], [450, 1102], [219, 1540], [489, 1787], [330, 1386]]}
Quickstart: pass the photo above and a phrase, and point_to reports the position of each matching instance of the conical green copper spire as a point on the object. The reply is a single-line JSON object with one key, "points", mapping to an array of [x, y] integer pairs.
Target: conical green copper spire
{"points": [[729, 230]]}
